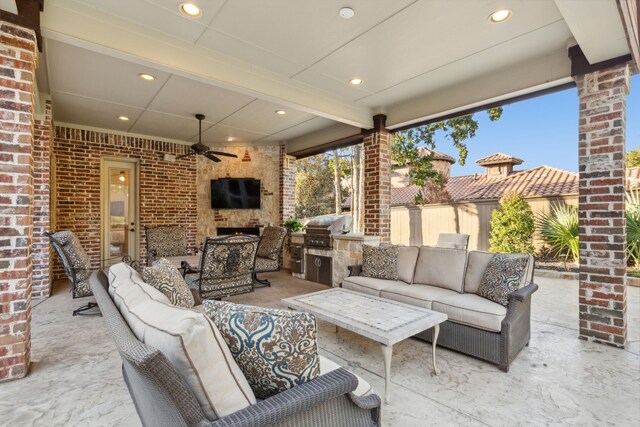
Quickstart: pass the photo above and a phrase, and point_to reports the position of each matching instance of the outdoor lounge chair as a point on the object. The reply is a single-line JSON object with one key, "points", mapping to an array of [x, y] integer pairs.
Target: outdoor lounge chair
{"points": [[269, 253], [167, 241]]}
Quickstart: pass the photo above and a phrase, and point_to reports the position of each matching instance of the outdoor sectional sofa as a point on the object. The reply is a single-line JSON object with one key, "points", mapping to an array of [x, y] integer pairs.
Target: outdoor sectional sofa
{"points": [[447, 280], [164, 393]]}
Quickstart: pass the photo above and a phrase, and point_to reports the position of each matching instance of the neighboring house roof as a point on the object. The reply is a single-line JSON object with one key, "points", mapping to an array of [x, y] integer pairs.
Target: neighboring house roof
{"points": [[436, 155], [499, 158]]}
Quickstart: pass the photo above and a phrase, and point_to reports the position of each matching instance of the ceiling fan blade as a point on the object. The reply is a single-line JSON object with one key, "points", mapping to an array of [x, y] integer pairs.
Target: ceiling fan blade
{"points": [[211, 157], [221, 153], [185, 155]]}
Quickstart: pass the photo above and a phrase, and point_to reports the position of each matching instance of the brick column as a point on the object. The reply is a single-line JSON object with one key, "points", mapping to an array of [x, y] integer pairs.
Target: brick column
{"points": [[42, 253], [602, 223], [17, 67], [377, 180], [287, 185]]}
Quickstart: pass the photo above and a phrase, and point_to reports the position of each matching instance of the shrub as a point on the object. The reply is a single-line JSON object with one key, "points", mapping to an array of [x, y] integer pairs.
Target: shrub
{"points": [[559, 229], [512, 226], [292, 225], [633, 226]]}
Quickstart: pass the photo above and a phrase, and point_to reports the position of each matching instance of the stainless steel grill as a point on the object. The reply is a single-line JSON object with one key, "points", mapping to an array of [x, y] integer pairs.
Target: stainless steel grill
{"points": [[320, 229]]}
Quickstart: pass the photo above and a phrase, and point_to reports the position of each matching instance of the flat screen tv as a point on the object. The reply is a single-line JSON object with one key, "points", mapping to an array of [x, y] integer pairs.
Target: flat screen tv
{"points": [[235, 193]]}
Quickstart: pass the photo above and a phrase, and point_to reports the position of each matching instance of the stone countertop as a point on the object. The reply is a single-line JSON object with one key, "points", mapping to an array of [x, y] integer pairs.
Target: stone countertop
{"points": [[348, 236]]}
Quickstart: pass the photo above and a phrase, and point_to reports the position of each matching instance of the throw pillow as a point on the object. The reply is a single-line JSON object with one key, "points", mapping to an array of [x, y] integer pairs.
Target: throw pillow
{"points": [[380, 262], [275, 349], [167, 279], [503, 276]]}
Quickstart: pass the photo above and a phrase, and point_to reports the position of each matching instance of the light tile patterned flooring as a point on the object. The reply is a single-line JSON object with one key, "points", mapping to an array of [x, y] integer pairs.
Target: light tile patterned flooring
{"points": [[75, 378]]}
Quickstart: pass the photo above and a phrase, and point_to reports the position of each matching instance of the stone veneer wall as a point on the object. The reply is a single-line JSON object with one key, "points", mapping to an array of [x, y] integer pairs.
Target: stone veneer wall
{"points": [[42, 252], [167, 190], [258, 162]]}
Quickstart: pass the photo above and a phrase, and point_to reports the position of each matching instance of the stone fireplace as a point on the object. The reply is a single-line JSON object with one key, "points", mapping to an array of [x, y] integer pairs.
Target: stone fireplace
{"points": [[226, 231]]}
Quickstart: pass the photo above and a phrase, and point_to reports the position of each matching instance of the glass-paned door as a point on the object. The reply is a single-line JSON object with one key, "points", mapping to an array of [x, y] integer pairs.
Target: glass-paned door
{"points": [[119, 209]]}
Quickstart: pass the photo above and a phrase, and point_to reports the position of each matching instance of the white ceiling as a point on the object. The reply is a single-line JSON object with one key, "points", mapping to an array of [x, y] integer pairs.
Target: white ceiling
{"points": [[243, 59]]}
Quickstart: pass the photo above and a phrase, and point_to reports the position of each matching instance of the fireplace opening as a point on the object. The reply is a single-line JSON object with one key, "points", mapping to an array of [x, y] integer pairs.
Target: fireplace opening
{"points": [[226, 231]]}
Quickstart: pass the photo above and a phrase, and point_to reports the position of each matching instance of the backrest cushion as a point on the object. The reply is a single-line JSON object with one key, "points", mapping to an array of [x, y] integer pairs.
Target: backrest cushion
{"points": [[477, 262], [407, 257], [167, 279], [167, 240], [441, 267], [380, 262], [123, 273], [453, 240], [504, 274], [271, 242], [275, 349], [193, 345]]}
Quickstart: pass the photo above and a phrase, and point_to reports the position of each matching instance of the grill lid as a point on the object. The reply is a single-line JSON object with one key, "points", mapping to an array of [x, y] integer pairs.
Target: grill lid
{"points": [[332, 222]]}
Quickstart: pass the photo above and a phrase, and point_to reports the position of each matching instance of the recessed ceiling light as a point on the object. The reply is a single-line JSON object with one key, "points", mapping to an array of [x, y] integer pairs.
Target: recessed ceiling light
{"points": [[500, 16], [190, 9], [230, 139], [123, 118], [281, 112], [147, 77], [356, 81], [346, 13]]}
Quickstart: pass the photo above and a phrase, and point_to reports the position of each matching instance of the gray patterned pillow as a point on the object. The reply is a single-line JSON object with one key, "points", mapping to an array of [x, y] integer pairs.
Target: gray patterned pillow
{"points": [[275, 349], [380, 262], [167, 279], [503, 276]]}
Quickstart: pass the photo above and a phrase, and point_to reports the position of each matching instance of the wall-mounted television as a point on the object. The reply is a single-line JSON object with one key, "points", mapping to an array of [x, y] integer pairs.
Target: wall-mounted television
{"points": [[235, 193]]}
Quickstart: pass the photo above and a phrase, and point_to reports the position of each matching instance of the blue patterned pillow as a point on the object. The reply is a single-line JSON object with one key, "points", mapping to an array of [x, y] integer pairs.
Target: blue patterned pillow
{"points": [[275, 349], [380, 262], [503, 276]]}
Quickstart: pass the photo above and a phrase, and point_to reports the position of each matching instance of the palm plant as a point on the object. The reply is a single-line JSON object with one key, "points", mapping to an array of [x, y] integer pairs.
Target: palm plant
{"points": [[559, 229], [633, 226]]}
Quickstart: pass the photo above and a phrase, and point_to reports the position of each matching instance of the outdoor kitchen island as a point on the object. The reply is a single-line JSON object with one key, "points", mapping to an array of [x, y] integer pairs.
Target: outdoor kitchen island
{"points": [[327, 263]]}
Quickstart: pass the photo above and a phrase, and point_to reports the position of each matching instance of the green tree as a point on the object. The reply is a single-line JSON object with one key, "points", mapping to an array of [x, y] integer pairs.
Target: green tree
{"points": [[633, 158], [512, 226], [457, 130], [314, 187]]}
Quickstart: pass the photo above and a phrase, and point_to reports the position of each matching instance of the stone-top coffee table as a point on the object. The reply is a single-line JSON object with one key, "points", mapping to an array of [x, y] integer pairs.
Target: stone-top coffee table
{"points": [[382, 320]]}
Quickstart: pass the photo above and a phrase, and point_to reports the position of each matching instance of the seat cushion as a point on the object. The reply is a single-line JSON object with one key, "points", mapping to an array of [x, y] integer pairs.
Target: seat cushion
{"points": [[418, 295], [407, 257], [472, 310], [275, 349], [504, 274], [380, 262], [369, 285], [193, 345], [167, 279], [266, 264], [442, 267], [328, 365]]}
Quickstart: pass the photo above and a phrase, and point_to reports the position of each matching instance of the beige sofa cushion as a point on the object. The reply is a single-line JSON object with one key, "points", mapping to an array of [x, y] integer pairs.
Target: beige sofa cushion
{"points": [[477, 262], [369, 285], [328, 365], [194, 347], [407, 257], [123, 273], [442, 267], [472, 310], [418, 295]]}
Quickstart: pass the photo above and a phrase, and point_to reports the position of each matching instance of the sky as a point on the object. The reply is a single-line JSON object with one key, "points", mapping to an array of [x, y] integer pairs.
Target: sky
{"points": [[540, 131]]}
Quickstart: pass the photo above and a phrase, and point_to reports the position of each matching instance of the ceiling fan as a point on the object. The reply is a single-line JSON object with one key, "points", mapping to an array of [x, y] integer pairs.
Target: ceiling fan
{"points": [[202, 149]]}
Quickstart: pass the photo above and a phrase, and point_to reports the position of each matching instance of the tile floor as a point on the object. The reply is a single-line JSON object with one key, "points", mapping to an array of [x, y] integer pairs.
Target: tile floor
{"points": [[75, 378]]}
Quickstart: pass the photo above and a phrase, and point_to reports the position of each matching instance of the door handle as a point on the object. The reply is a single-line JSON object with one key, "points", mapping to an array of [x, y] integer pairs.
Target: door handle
{"points": [[132, 230]]}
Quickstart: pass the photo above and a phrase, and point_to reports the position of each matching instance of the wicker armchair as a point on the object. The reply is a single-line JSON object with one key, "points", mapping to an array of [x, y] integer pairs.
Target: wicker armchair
{"points": [[77, 266], [226, 267], [161, 396], [269, 253], [167, 241]]}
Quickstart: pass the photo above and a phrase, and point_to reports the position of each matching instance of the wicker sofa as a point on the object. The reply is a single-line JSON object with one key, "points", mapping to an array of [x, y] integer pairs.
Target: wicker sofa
{"points": [[447, 280], [162, 396]]}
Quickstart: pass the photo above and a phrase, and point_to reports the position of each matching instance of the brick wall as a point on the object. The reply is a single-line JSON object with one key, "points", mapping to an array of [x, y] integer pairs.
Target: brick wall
{"points": [[602, 223], [17, 66], [377, 184], [42, 253], [287, 185], [167, 190]]}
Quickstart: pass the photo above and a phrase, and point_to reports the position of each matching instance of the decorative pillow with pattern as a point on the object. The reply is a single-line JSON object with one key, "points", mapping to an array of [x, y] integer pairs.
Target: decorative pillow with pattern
{"points": [[503, 276], [380, 262], [167, 279], [275, 349]]}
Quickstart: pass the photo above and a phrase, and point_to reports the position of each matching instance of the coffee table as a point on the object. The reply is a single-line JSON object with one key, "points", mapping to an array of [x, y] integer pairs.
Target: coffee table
{"points": [[382, 320]]}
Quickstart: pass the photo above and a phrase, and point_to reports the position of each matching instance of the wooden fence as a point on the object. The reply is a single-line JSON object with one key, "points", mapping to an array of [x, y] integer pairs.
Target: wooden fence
{"points": [[420, 225]]}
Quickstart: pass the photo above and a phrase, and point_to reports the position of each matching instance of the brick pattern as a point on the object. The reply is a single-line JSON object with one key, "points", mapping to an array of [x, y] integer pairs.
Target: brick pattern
{"points": [[602, 223], [377, 184], [17, 67], [42, 252], [287, 185], [167, 190]]}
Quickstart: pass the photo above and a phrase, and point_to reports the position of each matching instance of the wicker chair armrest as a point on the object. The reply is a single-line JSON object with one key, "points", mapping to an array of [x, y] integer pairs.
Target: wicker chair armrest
{"points": [[297, 399], [355, 270], [523, 293], [370, 401]]}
